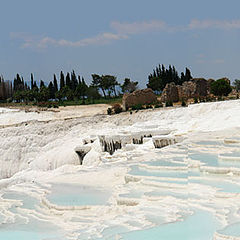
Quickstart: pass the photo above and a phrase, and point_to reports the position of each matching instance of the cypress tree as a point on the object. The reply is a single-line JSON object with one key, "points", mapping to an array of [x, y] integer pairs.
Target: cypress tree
{"points": [[55, 84], [51, 90], [182, 80], [62, 80], [68, 80], [35, 87], [31, 81], [74, 81], [42, 84], [188, 75]]}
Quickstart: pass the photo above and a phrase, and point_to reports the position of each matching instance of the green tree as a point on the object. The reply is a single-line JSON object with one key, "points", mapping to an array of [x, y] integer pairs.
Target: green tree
{"points": [[74, 81], [188, 75], [62, 80], [220, 88], [129, 86], [51, 90], [55, 84], [110, 82], [31, 81], [236, 84], [68, 93], [68, 80], [161, 76], [59, 95], [98, 83], [42, 84], [81, 89], [155, 83], [92, 93], [18, 83], [17, 96], [44, 93]]}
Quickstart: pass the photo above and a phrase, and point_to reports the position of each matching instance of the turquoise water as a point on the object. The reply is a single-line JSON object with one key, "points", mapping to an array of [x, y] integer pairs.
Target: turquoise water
{"points": [[232, 154], [170, 192], [135, 170], [199, 226], [76, 195], [110, 232], [223, 186], [232, 230], [213, 160], [208, 159], [32, 229], [27, 201], [180, 181], [132, 194], [165, 163], [28, 235], [206, 143]]}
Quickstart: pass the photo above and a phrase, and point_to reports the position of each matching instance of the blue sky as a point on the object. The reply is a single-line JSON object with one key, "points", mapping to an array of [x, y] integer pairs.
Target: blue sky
{"points": [[126, 38]]}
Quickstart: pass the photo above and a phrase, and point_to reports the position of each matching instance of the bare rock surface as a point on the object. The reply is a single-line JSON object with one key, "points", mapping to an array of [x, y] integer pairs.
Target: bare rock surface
{"points": [[145, 96]]}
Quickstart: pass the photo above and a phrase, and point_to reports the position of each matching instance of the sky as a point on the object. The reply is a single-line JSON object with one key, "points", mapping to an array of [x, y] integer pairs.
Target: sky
{"points": [[125, 38]]}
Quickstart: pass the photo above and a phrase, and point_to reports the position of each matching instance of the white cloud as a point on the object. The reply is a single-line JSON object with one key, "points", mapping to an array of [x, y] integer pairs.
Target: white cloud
{"points": [[43, 42], [205, 24], [139, 27], [120, 31], [123, 31]]}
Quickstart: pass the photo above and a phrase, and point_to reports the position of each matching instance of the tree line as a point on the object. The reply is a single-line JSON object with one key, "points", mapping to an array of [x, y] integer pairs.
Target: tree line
{"points": [[70, 86], [162, 76]]}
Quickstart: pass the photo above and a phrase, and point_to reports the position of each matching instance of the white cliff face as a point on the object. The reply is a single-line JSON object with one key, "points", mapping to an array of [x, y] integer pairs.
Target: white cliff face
{"points": [[144, 180]]}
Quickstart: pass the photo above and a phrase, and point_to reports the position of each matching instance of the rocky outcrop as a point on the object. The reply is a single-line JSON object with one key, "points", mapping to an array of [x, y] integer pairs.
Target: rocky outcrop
{"points": [[209, 82], [145, 96], [197, 87], [170, 93]]}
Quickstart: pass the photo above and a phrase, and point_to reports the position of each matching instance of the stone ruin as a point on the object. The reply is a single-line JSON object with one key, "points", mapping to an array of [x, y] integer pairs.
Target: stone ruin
{"points": [[197, 87], [145, 96], [170, 93]]}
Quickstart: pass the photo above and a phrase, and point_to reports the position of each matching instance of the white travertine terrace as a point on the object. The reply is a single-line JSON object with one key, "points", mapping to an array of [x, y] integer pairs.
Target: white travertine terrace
{"points": [[39, 150]]}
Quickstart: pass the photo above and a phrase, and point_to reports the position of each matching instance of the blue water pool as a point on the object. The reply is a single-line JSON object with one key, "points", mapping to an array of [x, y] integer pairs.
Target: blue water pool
{"points": [[232, 230], [199, 226], [75, 195]]}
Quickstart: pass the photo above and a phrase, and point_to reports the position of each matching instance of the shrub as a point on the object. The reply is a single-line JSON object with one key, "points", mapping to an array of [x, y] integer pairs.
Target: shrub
{"points": [[109, 111], [220, 88], [208, 99], [184, 104], [117, 108], [195, 100], [137, 107], [158, 105], [148, 106], [169, 104], [43, 104]]}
